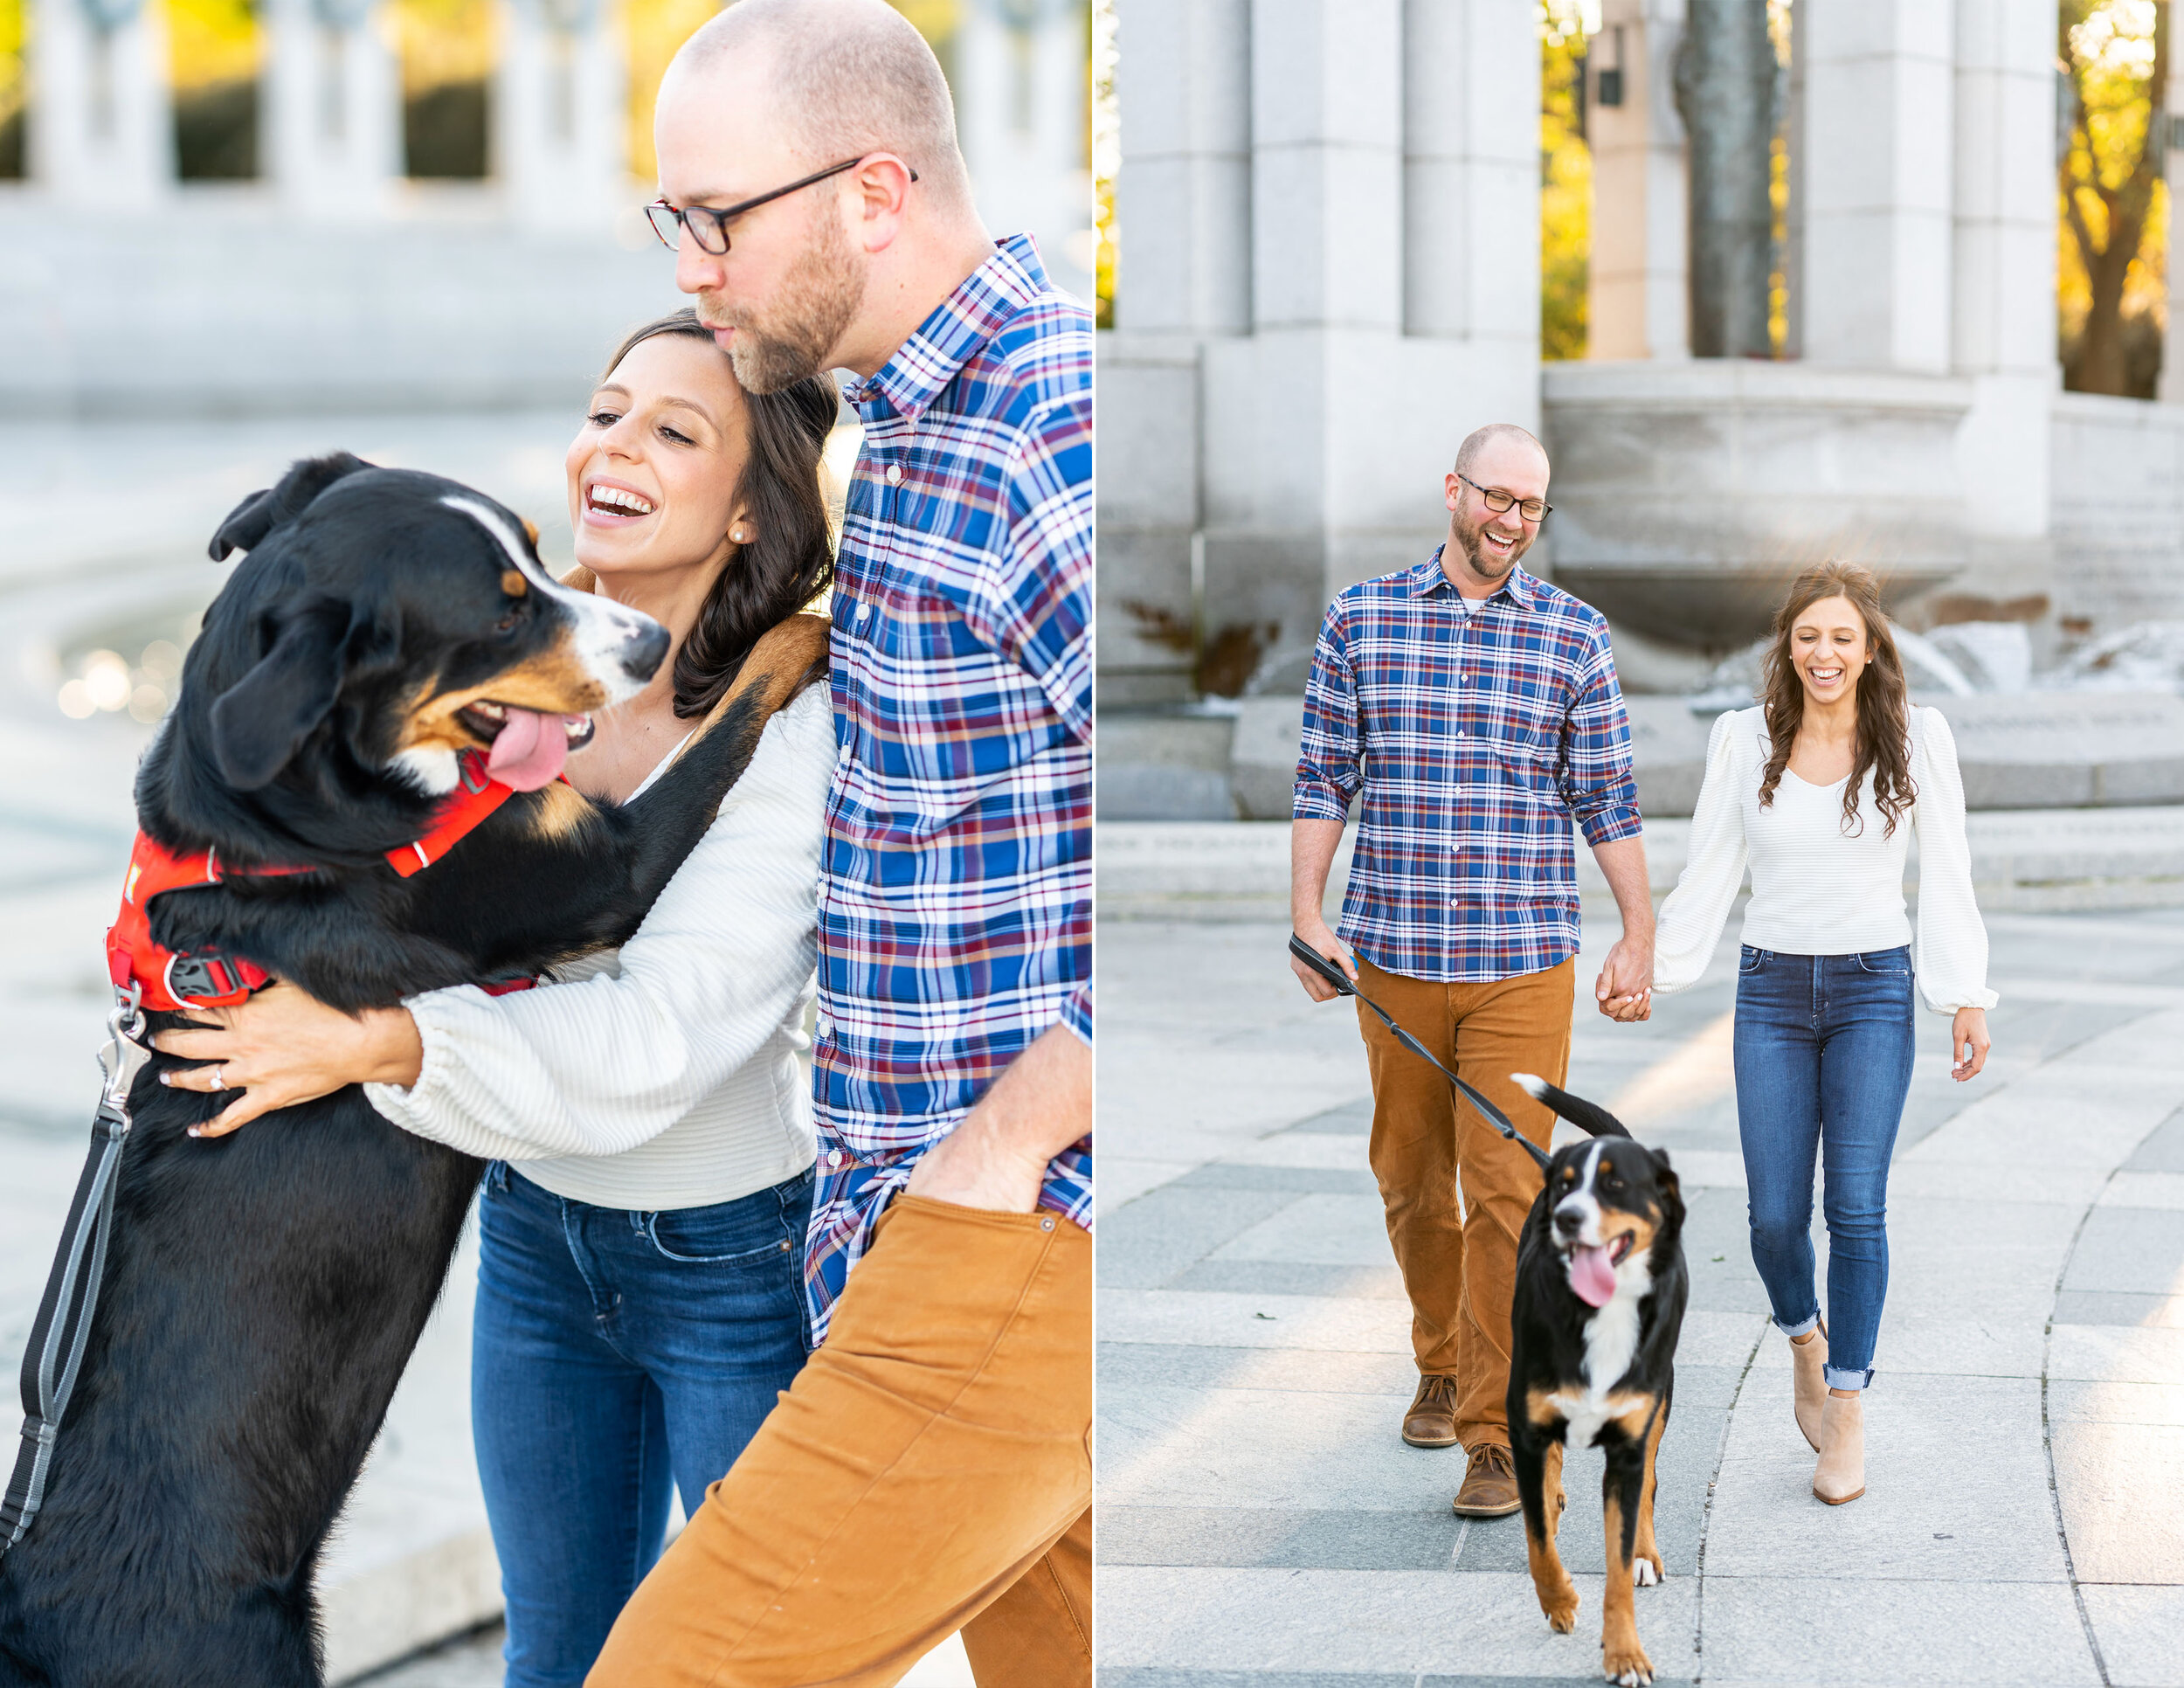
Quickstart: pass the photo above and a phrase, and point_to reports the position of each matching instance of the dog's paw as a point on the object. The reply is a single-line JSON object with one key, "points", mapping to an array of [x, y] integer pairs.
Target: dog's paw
{"points": [[1561, 1608], [1644, 1573], [1627, 1665]]}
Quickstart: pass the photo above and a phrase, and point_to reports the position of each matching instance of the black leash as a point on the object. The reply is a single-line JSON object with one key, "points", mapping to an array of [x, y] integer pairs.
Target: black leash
{"points": [[63, 1327], [1494, 1116]]}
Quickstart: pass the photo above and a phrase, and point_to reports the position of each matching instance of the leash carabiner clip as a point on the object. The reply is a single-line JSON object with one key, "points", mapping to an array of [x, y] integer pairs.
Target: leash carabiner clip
{"points": [[1493, 1116], [123, 1056]]}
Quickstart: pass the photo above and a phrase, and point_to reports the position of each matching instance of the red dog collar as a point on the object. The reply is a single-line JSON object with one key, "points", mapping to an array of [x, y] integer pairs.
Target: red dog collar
{"points": [[166, 980]]}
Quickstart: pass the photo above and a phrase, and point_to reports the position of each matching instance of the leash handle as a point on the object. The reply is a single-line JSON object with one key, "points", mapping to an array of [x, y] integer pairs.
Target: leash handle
{"points": [[1334, 975]]}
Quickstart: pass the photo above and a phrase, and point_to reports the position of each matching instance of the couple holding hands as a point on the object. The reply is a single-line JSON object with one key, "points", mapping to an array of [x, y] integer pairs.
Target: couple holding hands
{"points": [[1472, 712]]}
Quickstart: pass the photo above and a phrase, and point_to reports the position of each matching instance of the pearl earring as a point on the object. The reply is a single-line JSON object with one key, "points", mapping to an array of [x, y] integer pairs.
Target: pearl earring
{"points": [[737, 535]]}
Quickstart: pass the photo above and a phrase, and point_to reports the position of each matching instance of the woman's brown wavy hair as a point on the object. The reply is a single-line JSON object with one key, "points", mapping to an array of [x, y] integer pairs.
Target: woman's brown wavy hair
{"points": [[789, 560], [1884, 740]]}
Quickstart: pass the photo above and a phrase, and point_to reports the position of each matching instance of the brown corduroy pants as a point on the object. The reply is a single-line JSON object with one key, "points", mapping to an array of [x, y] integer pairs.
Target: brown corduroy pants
{"points": [[930, 1470], [1459, 1266]]}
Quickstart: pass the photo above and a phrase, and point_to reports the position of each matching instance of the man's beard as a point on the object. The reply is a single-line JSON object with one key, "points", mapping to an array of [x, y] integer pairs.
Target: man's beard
{"points": [[1485, 565], [820, 297]]}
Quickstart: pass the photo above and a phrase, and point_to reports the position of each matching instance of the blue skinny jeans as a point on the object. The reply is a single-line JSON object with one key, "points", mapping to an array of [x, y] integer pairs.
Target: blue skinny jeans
{"points": [[616, 1357], [1823, 1049]]}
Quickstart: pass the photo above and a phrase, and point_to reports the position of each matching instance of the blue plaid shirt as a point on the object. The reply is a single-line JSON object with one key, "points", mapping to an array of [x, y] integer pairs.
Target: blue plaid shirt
{"points": [[955, 898], [1475, 731]]}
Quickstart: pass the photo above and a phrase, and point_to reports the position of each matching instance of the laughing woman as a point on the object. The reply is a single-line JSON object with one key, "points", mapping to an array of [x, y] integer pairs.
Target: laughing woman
{"points": [[648, 1126], [1820, 789]]}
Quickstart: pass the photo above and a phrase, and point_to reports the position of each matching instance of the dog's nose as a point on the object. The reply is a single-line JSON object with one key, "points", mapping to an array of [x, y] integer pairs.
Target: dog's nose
{"points": [[644, 649], [1569, 1221]]}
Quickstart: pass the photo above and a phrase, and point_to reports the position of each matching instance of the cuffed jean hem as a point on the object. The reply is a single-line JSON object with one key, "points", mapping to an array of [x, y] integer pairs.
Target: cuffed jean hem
{"points": [[1799, 1328], [1841, 1380]]}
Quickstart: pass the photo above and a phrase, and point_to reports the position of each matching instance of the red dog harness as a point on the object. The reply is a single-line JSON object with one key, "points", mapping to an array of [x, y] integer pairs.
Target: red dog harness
{"points": [[168, 980]]}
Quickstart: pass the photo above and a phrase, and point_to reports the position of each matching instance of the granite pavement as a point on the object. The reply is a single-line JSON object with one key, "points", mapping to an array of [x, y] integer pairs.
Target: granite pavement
{"points": [[1261, 1522]]}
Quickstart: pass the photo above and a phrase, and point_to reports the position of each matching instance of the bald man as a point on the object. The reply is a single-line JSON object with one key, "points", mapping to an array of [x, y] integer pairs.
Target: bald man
{"points": [[931, 1471], [1474, 709]]}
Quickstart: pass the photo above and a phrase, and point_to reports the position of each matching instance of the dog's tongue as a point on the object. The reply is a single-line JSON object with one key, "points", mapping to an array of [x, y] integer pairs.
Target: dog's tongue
{"points": [[528, 751], [1591, 1276]]}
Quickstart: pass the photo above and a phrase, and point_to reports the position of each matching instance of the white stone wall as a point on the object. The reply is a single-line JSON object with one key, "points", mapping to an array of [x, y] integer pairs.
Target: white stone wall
{"points": [[2119, 509], [1329, 275]]}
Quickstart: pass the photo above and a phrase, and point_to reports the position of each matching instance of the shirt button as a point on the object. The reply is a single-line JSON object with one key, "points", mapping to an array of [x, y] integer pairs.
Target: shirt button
{"points": [[834, 1157], [864, 613], [824, 1027], [895, 474]]}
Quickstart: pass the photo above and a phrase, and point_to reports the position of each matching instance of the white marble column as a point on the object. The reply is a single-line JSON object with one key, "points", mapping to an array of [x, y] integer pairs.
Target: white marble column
{"points": [[2003, 330], [1184, 116], [1022, 84], [332, 108], [1877, 102], [1327, 164], [1639, 292], [102, 132], [560, 91], [1470, 236]]}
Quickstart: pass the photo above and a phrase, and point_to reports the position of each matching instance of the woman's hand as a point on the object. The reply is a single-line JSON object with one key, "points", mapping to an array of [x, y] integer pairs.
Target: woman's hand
{"points": [[1967, 1044], [284, 1048]]}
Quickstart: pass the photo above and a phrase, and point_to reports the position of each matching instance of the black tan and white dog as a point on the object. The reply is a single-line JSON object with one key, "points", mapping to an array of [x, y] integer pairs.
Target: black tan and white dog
{"points": [[390, 653], [1600, 1290]]}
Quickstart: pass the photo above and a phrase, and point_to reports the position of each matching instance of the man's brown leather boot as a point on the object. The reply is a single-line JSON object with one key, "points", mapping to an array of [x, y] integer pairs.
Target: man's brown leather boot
{"points": [[1431, 1421], [1490, 1487]]}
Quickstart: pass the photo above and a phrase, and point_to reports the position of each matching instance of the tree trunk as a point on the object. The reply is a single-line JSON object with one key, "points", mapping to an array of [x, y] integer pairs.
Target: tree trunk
{"points": [[1726, 79], [2101, 365]]}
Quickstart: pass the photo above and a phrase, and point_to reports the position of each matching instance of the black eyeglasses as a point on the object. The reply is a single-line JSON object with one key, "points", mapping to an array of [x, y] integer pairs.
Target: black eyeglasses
{"points": [[709, 226], [1532, 509]]}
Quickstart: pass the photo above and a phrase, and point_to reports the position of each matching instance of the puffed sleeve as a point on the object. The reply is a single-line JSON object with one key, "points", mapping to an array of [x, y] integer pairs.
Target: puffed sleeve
{"points": [[1690, 919], [1950, 950]]}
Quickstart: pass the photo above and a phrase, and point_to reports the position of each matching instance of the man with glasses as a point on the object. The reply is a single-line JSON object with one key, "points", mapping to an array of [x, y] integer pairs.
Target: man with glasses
{"points": [[1475, 709], [930, 1470]]}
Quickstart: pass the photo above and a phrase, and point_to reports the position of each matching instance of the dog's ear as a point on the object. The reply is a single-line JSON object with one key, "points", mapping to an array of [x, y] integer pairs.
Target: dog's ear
{"points": [[1671, 1186], [259, 722], [251, 521]]}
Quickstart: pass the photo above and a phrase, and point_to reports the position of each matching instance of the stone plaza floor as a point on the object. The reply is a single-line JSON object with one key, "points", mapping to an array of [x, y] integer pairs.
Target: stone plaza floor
{"points": [[1261, 1523]]}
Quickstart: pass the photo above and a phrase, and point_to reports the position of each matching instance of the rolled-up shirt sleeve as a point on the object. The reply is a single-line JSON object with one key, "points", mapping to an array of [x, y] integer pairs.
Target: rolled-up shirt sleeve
{"points": [[1596, 776], [1327, 770]]}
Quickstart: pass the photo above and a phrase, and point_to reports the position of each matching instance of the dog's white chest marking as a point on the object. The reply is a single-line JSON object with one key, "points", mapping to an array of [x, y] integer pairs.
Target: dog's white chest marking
{"points": [[1611, 1335]]}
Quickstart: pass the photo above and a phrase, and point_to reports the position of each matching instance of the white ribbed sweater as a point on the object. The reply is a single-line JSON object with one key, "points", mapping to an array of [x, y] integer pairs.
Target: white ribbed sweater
{"points": [[1815, 892], [663, 1073]]}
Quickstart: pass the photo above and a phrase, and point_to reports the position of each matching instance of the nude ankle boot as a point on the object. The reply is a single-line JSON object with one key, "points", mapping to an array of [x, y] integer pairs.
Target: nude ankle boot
{"points": [[1840, 1475], [1808, 1361]]}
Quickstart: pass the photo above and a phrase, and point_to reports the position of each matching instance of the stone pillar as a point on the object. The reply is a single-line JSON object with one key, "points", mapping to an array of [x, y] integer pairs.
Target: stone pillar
{"points": [[1376, 127], [1022, 83], [1183, 87], [102, 132], [1638, 297], [560, 145], [1287, 433], [1183, 92], [333, 109], [1878, 137], [2002, 329], [1470, 173]]}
